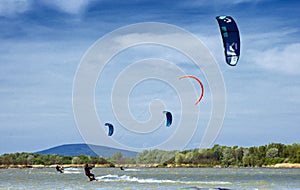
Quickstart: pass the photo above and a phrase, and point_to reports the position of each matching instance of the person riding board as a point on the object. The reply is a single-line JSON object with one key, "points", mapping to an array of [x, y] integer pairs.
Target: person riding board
{"points": [[59, 169], [87, 171]]}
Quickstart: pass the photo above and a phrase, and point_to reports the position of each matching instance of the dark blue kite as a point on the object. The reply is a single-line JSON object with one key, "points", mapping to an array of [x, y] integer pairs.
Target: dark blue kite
{"points": [[169, 118], [110, 129], [231, 39]]}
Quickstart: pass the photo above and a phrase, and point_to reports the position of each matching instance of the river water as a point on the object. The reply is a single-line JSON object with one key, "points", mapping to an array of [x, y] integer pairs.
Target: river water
{"points": [[153, 178]]}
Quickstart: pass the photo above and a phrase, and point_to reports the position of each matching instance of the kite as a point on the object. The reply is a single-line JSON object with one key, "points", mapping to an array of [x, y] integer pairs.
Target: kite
{"points": [[110, 129], [200, 83], [169, 118], [231, 39]]}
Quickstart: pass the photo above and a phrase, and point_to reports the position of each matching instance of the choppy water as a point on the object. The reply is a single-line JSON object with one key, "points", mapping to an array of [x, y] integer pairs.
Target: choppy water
{"points": [[153, 178]]}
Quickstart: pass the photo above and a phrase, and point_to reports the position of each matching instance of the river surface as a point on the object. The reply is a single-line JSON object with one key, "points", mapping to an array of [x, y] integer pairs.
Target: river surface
{"points": [[152, 178]]}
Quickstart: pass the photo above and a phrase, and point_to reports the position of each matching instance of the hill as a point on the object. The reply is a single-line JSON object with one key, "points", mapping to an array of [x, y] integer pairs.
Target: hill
{"points": [[90, 150]]}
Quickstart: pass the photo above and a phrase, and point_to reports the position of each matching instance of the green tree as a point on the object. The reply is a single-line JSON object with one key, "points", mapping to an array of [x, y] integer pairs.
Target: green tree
{"points": [[238, 155], [246, 159], [117, 157], [141, 157], [30, 159], [217, 149], [75, 160], [228, 157], [272, 153], [179, 158]]}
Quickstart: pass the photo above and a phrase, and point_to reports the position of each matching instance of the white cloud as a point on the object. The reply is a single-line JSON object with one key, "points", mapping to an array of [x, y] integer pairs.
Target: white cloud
{"points": [[71, 7], [185, 43], [284, 59], [263, 40], [10, 8]]}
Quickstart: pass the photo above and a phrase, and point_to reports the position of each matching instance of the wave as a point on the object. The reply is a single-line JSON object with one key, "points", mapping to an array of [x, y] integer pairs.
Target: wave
{"points": [[126, 178], [73, 170], [131, 170]]}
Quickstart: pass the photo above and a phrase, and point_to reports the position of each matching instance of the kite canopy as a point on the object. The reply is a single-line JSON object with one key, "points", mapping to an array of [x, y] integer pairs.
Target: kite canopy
{"points": [[231, 39], [110, 129], [169, 118], [200, 83]]}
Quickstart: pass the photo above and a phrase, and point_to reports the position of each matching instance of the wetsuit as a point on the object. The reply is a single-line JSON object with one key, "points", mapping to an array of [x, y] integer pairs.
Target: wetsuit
{"points": [[88, 172]]}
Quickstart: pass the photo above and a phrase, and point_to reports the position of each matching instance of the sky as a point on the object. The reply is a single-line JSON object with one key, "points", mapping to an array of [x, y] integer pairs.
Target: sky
{"points": [[44, 43]]}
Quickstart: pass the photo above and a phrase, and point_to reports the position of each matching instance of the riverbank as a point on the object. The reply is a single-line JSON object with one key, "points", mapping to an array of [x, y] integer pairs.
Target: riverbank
{"points": [[281, 165], [284, 165]]}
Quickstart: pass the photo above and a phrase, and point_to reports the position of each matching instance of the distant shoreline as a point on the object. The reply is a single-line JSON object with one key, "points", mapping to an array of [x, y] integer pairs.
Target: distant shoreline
{"points": [[280, 165]]}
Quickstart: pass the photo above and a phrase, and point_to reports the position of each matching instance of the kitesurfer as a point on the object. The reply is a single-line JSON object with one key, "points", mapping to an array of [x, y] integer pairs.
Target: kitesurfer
{"points": [[59, 169], [87, 171]]}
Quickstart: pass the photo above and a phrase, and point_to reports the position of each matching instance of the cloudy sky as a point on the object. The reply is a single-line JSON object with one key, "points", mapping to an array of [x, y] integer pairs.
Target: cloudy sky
{"points": [[43, 43]]}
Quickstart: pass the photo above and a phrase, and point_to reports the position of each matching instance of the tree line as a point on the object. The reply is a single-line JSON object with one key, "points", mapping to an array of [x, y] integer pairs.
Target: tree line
{"points": [[217, 155], [25, 158], [238, 156]]}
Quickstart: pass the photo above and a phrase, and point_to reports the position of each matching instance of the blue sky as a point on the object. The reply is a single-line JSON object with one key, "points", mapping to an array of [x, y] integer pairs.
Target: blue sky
{"points": [[43, 42]]}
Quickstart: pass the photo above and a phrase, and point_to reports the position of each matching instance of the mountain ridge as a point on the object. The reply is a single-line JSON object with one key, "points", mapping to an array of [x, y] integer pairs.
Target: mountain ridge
{"points": [[85, 149]]}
